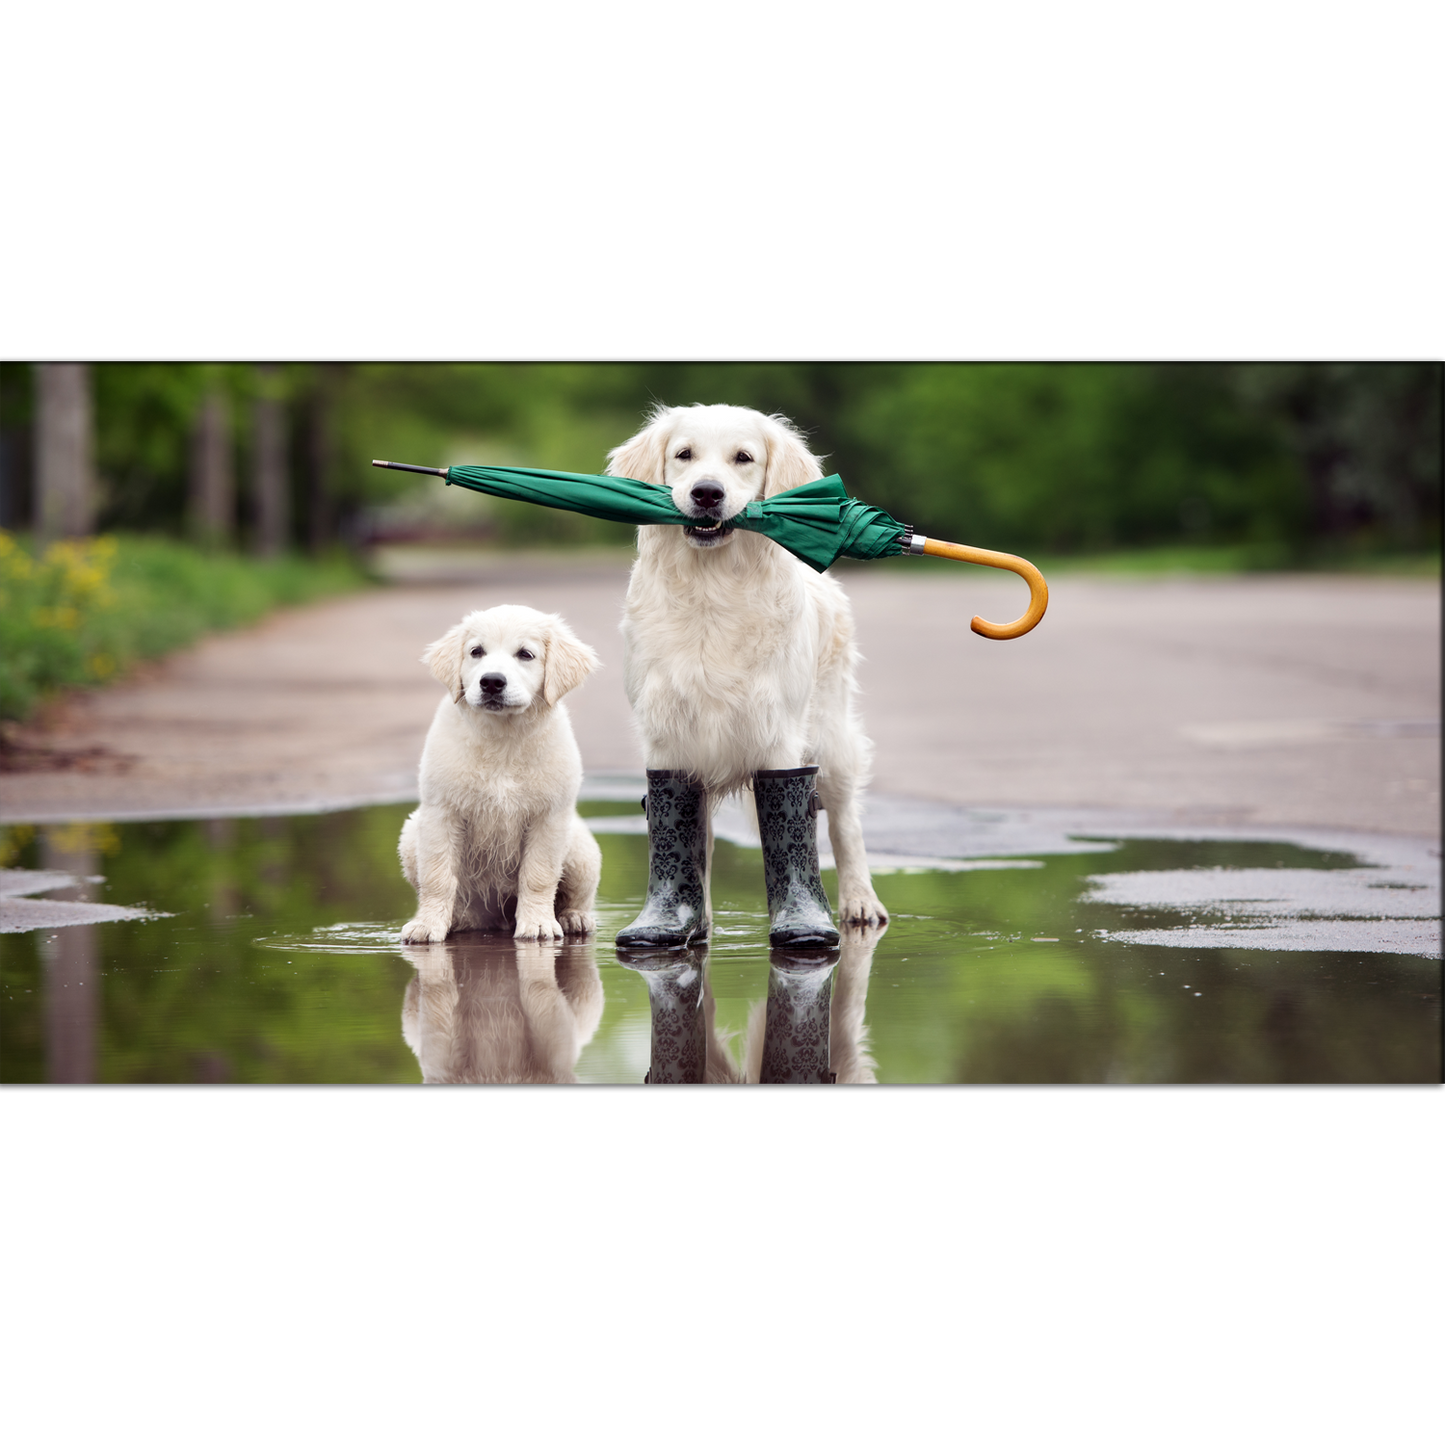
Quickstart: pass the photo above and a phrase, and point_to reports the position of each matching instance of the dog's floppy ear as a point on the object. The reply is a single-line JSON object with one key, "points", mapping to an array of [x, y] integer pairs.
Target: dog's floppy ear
{"points": [[641, 456], [444, 657], [568, 661], [790, 463]]}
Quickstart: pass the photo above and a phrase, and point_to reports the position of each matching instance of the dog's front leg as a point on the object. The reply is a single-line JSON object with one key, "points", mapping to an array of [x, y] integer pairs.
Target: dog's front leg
{"points": [[857, 902], [439, 844], [544, 850]]}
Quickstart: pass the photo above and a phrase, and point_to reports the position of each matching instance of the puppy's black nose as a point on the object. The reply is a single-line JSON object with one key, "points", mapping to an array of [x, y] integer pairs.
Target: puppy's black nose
{"points": [[493, 682], [708, 495]]}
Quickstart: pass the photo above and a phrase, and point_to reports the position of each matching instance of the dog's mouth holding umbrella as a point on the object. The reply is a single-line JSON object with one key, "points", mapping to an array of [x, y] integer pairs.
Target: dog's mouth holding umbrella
{"points": [[817, 522], [702, 534]]}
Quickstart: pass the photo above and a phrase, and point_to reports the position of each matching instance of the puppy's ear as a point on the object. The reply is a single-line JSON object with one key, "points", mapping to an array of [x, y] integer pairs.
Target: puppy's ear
{"points": [[444, 657], [790, 463], [568, 661], [642, 456]]}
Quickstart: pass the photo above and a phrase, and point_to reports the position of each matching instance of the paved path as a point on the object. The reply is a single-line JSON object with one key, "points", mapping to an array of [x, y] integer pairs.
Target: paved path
{"points": [[1302, 701]]}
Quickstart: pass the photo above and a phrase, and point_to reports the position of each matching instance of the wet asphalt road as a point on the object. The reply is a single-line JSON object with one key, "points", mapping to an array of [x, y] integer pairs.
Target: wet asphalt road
{"points": [[1261, 701]]}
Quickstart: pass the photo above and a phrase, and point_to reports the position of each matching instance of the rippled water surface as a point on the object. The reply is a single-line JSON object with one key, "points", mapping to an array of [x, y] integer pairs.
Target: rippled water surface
{"points": [[263, 950]]}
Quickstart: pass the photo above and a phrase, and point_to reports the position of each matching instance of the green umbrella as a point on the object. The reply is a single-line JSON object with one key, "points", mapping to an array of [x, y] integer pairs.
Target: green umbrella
{"points": [[817, 522]]}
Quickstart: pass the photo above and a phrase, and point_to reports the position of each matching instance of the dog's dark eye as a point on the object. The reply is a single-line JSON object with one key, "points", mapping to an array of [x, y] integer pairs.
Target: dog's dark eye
{"points": [[685, 455], [741, 460], [526, 656], [479, 652]]}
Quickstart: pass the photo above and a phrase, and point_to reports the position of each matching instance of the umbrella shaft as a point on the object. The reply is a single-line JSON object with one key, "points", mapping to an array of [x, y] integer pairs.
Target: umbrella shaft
{"points": [[407, 467]]}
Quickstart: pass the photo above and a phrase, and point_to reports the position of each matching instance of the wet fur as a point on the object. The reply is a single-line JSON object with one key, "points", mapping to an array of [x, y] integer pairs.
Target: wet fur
{"points": [[739, 656], [496, 842]]}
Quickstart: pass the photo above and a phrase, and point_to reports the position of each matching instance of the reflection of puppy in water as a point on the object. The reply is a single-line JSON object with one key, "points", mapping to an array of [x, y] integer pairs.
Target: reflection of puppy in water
{"points": [[497, 834], [488, 1011]]}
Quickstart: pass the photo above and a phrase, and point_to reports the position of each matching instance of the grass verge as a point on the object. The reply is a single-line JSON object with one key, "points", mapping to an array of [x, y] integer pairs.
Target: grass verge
{"points": [[85, 610]]}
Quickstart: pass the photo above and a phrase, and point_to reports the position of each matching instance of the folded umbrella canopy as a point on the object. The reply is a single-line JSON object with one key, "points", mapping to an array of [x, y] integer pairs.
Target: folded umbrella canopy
{"points": [[817, 522]]}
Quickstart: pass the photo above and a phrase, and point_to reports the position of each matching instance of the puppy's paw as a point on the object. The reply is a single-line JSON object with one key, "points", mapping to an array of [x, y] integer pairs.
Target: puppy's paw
{"points": [[578, 923], [862, 910], [424, 930], [537, 925]]}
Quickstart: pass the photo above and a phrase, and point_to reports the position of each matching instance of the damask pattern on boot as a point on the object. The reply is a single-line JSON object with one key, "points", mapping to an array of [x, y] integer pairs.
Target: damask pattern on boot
{"points": [[679, 1044], [796, 1028], [675, 911], [787, 823]]}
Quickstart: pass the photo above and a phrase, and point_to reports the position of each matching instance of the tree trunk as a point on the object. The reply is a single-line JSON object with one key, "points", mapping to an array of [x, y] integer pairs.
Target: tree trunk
{"points": [[273, 492], [213, 481], [64, 464], [318, 512], [72, 967]]}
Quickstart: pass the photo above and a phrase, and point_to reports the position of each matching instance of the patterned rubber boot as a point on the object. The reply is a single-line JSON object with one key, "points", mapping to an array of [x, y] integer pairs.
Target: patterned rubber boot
{"points": [[788, 824], [679, 1040], [675, 912], [795, 1031]]}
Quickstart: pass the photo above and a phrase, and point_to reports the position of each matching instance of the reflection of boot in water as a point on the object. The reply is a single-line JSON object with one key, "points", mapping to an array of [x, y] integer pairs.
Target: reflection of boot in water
{"points": [[796, 1022], [679, 1029], [687, 1047]]}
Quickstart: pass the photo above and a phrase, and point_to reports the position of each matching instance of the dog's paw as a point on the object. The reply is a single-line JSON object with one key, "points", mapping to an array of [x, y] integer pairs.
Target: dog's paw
{"points": [[578, 923], [863, 910], [538, 925], [424, 930]]}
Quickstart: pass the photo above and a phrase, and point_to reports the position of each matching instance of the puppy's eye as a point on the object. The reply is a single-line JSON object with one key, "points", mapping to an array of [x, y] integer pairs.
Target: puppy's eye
{"points": [[685, 455], [479, 652], [742, 459], [526, 656]]}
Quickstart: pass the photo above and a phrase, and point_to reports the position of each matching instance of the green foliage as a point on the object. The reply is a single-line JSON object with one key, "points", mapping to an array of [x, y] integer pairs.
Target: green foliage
{"points": [[85, 610], [1071, 457], [1309, 459]]}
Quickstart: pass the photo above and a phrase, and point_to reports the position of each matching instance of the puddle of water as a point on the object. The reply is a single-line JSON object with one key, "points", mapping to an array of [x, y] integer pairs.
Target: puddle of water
{"points": [[1032, 955]]}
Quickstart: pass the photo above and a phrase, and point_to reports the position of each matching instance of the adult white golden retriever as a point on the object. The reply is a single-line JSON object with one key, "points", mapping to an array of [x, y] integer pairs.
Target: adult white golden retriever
{"points": [[497, 841], [741, 658]]}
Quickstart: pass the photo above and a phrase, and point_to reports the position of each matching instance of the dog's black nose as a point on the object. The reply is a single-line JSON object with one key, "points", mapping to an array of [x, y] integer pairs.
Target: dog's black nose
{"points": [[708, 495], [493, 682]]}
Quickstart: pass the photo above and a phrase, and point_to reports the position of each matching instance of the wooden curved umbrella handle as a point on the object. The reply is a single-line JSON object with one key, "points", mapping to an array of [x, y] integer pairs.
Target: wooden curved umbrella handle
{"points": [[1038, 588]]}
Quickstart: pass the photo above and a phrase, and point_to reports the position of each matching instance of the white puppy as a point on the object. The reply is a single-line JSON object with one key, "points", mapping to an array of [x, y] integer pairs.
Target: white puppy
{"points": [[739, 656], [497, 835]]}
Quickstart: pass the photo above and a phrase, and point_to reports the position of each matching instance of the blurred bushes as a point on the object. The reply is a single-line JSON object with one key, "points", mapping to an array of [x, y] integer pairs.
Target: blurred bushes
{"points": [[1297, 460], [84, 610]]}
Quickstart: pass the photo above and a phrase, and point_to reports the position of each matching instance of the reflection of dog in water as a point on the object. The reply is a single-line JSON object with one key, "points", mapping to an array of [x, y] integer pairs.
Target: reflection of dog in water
{"points": [[494, 1011], [781, 1039], [809, 1030]]}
